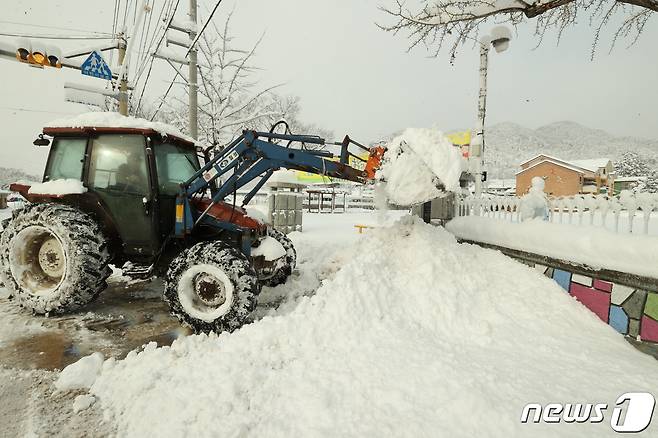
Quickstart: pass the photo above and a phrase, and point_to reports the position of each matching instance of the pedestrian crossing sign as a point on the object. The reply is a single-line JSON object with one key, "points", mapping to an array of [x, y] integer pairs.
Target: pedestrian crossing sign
{"points": [[96, 66]]}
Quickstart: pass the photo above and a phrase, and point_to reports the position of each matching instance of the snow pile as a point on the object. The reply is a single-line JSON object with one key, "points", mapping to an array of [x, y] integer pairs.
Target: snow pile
{"points": [[100, 119], [406, 339], [258, 212], [58, 187], [81, 374], [535, 203], [82, 402], [270, 248], [416, 163], [595, 247]]}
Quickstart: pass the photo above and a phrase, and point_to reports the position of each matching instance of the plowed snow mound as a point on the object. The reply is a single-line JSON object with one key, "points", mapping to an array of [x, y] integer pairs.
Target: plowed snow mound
{"points": [[415, 336]]}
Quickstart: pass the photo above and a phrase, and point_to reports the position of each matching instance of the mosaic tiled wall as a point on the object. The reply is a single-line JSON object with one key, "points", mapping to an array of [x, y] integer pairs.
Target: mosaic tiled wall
{"points": [[632, 312]]}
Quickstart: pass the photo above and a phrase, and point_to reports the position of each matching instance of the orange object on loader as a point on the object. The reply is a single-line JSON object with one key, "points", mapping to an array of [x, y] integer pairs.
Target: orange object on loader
{"points": [[374, 161]]}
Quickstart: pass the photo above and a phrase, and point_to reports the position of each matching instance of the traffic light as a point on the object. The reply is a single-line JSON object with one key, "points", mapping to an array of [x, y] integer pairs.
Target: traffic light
{"points": [[38, 55], [24, 50], [53, 57]]}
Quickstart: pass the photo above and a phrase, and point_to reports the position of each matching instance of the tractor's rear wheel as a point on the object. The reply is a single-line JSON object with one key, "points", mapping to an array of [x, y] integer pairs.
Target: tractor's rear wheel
{"points": [[53, 258], [285, 271], [211, 287]]}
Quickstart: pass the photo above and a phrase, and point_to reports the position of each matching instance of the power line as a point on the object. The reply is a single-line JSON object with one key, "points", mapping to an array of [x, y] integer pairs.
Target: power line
{"points": [[30, 110], [148, 74], [43, 26], [115, 18], [57, 37], [163, 98], [125, 14], [203, 28]]}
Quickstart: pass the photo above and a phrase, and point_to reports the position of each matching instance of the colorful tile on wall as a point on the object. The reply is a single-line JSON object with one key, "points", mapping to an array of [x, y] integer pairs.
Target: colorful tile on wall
{"points": [[620, 293], [563, 278], [618, 319], [634, 328], [581, 279], [595, 300], [602, 285], [651, 306], [634, 304], [649, 329]]}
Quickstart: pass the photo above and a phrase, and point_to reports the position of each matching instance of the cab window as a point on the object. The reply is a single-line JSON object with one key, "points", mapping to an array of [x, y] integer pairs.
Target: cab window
{"points": [[67, 157], [118, 163], [175, 165]]}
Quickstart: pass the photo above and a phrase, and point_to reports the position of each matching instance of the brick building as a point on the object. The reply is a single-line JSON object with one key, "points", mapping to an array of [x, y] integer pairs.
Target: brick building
{"points": [[565, 178]]}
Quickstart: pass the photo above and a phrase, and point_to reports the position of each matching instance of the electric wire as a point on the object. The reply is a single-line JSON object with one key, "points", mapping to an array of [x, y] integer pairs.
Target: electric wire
{"points": [[43, 26], [148, 53], [148, 74], [171, 84], [125, 14], [30, 110], [57, 37], [203, 28]]}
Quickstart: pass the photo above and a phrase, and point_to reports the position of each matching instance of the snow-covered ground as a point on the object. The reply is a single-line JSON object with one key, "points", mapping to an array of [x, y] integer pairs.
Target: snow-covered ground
{"points": [[392, 334], [596, 247], [4, 214]]}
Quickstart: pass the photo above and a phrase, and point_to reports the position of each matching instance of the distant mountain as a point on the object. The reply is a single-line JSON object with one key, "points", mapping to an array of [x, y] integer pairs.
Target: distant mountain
{"points": [[509, 144], [9, 175]]}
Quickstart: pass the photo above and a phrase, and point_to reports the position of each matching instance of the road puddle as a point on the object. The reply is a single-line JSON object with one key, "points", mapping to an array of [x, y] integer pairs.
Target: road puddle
{"points": [[126, 316]]}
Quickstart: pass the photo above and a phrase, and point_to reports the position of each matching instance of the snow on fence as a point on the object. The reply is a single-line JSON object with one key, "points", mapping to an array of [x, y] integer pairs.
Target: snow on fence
{"points": [[626, 213]]}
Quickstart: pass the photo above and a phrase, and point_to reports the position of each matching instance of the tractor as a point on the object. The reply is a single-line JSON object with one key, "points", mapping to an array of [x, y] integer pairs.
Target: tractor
{"points": [[157, 203]]}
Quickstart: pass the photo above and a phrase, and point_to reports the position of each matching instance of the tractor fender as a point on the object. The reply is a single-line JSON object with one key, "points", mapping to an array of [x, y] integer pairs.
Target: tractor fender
{"points": [[225, 212]]}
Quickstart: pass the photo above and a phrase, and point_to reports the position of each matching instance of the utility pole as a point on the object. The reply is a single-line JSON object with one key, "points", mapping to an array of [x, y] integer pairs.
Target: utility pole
{"points": [[477, 150], [123, 82], [192, 76]]}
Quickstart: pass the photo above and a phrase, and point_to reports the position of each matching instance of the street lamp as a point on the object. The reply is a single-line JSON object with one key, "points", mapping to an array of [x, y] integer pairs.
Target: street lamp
{"points": [[500, 38]]}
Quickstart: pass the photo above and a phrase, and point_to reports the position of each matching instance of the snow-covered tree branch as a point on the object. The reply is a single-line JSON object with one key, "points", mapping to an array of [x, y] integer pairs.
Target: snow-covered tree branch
{"points": [[230, 100], [434, 22], [287, 108]]}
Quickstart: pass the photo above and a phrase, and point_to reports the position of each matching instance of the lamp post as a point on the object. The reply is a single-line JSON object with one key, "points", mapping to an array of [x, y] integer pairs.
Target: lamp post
{"points": [[499, 39]]}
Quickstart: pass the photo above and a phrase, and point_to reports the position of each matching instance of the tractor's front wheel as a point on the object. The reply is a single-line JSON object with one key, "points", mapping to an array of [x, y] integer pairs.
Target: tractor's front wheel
{"points": [[285, 271], [211, 287], [53, 258]]}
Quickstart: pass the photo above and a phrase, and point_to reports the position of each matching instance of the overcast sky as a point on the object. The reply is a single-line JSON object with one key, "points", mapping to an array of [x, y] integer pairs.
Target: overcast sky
{"points": [[353, 78]]}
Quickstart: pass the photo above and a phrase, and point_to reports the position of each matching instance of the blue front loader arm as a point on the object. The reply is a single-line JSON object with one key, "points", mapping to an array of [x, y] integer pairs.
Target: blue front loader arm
{"points": [[250, 158]]}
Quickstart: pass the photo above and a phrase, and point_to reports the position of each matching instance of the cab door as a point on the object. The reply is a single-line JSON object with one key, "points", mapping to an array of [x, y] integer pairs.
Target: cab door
{"points": [[118, 175]]}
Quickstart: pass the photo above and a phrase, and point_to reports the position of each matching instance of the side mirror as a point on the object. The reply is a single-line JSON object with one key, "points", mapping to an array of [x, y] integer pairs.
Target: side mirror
{"points": [[41, 141]]}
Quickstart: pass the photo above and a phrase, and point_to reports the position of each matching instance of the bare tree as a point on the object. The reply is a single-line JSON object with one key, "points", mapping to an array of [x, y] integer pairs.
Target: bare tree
{"points": [[287, 108], [434, 22], [229, 98]]}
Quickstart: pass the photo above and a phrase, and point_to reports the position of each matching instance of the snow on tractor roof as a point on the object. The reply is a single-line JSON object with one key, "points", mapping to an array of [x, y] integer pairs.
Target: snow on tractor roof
{"points": [[116, 120]]}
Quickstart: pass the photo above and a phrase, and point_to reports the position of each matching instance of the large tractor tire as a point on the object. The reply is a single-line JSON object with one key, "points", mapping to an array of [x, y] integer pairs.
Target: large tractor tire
{"points": [[53, 258], [285, 271], [211, 287]]}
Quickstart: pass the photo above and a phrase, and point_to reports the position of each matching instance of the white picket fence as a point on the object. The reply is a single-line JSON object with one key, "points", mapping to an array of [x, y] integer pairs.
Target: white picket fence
{"points": [[627, 213]]}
